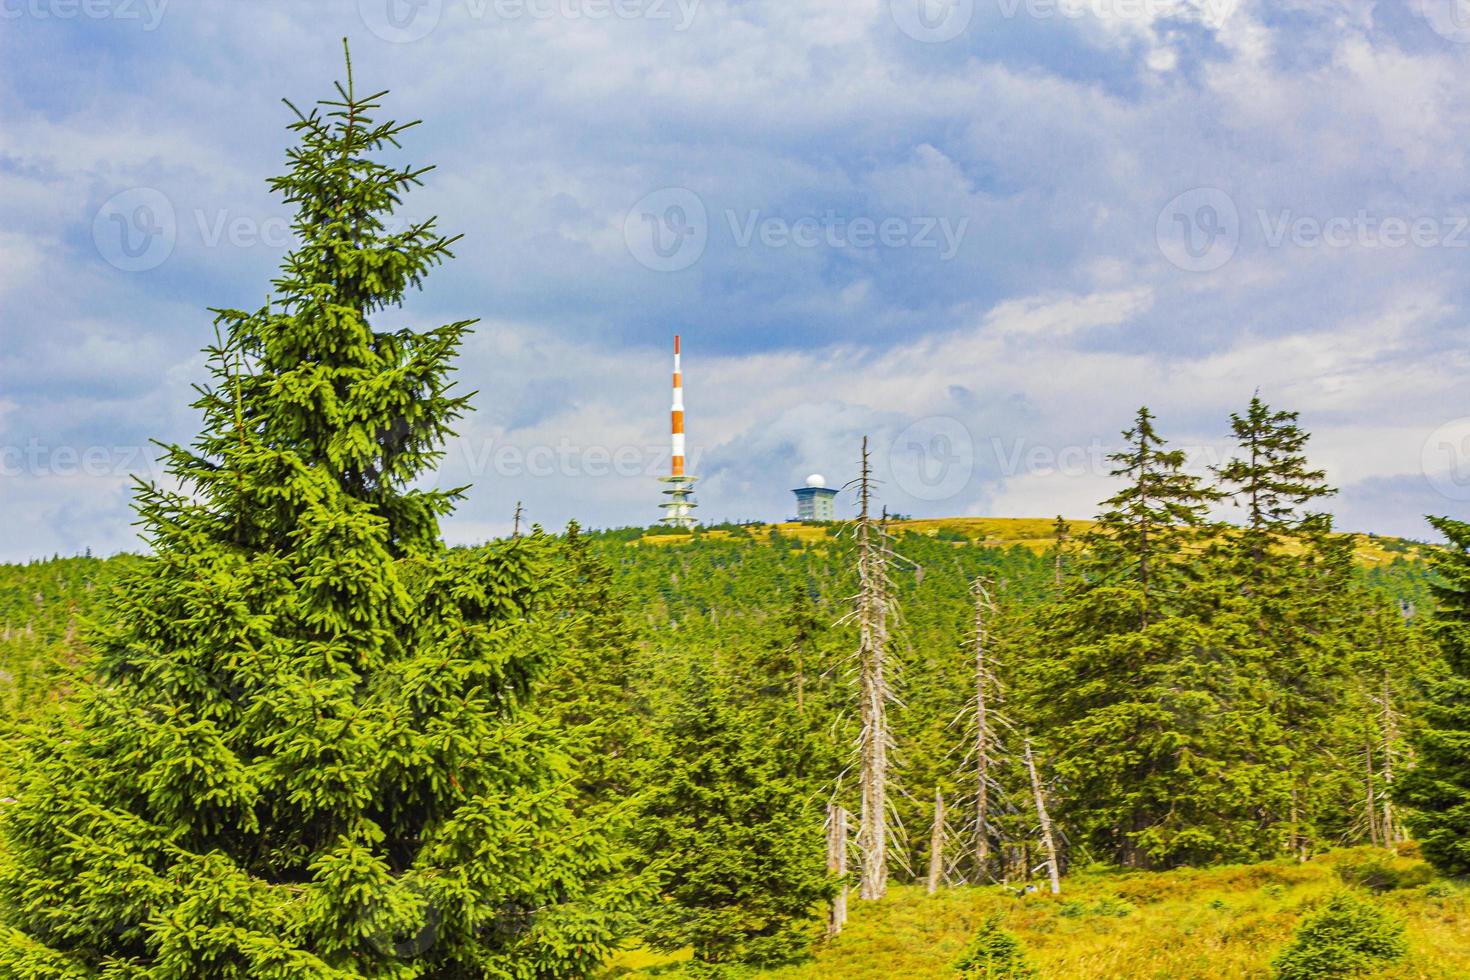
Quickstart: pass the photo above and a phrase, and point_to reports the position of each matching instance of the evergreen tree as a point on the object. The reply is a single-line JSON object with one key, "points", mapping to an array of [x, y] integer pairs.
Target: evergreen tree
{"points": [[799, 660], [1143, 536], [1162, 737], [304, 752], [785, 672], [1271, 481], [1438, 787], [1061, 534], [1291, 577], [591, 692], [735, 836], [1348, 937], [1152, 704], [994, 954]]}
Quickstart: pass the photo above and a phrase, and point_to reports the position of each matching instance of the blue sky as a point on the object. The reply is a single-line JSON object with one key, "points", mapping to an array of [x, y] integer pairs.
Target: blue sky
{"points": [[980, 232]]}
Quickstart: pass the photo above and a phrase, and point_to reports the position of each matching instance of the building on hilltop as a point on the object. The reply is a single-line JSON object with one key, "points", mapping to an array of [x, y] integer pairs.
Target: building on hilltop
{"points": [[814, 502]]}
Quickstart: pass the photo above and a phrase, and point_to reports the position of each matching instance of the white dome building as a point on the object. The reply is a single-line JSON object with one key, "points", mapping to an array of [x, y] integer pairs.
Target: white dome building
{"points": [[814, 502]]}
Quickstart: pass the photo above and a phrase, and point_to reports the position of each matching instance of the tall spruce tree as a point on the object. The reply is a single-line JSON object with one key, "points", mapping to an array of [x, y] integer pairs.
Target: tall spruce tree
{"points": [[1144, 534], [591, 692], [1272, 482], [304, 751], [1154, 716], [735, 836], [1438, 787], [1162, 737], [1291, 577]]}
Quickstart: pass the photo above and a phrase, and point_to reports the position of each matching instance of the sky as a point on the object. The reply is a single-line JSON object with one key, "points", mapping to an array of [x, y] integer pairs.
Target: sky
{"points": [[980, 233]]}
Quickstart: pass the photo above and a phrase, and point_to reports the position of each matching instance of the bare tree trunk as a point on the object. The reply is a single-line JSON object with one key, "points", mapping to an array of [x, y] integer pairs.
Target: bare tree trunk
{"points": [[983, 747], [1390, 726], [1298, 843], [837, 866], [1371, 807], [1047, 841], [876, 738], [936, 843], [516, 531]]}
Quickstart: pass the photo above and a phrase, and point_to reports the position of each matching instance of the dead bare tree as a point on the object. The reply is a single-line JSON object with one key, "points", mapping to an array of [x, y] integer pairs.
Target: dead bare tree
{"points": [[516, 530], [1047, 841], [936, 843], [1388, 722], [1370, 809], [875, 740], [985, 743], [837, 866]]}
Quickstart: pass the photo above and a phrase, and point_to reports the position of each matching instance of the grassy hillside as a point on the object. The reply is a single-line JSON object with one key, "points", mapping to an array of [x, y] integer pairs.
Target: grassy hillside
{"points": [[1215, 924], [1032, 533]]}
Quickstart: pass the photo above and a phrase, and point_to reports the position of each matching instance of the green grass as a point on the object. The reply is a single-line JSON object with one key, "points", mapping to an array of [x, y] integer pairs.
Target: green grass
{"points": [[1211, 924]]}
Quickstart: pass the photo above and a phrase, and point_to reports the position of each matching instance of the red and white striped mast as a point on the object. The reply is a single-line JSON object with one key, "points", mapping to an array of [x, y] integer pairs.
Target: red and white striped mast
{"points": [[678, 509]]}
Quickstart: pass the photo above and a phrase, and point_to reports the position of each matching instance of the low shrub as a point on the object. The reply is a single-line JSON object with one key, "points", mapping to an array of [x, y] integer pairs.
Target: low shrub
{"points": [[1115, 907], [1441, 889], [1108, 905], [994, 954], [1381, 871], [1349, 936]]}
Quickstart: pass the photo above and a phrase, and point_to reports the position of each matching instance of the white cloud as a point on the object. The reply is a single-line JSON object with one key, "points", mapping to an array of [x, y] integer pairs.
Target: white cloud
{"points": [[1057, 141]]}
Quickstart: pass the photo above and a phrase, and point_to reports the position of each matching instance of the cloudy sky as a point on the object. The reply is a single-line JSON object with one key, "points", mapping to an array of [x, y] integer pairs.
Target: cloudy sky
{"points": [[980, 232]]}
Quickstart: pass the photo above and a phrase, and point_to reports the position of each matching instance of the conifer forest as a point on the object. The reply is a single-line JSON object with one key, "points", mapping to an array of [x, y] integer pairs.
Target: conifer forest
{"points": [[1198, 731]]}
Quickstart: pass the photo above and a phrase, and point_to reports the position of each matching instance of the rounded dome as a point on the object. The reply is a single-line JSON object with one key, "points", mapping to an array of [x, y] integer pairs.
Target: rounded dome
{"points": [[816, 480]]}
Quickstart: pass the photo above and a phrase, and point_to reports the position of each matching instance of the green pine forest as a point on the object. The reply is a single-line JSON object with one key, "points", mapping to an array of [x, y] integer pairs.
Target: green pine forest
{"points": [[299, 736]]}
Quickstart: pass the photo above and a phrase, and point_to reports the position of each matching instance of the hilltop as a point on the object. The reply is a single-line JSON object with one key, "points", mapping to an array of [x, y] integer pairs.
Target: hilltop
{"points": [[1033, 533]]}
